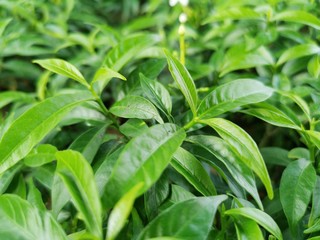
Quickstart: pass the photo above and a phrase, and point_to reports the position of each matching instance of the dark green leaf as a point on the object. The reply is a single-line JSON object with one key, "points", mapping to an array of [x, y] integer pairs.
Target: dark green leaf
{"points": [[133, 127], [190, 219], [296, 186]]}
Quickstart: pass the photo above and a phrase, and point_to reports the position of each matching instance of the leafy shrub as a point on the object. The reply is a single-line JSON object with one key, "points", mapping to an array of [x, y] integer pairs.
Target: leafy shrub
{"points": [[120, 122]]}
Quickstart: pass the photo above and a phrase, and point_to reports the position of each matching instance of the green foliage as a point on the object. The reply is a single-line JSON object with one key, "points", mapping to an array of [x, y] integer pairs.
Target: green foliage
{"points": [[214, 132]]}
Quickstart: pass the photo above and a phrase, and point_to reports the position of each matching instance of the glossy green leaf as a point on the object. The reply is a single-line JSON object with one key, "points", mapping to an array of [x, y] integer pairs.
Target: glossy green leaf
{"points": [[296, 186], [298, 51], [143, 159], [89, 142], [314, 137], [299, 152], [247, 229], [103, 76], [27, 131], [232, 95], [157, 94], [78, 177], [190, 167], [298, 16], [244, 147], [133, 127], [21, 221], [135, 107], [276, 156], [40, 155], [299, 101], [128, 49], [13, 96], [259, 217], [190, 219], [238, 170], [184, 81], [63, 68], [272, 115], [314, 66], [234, 13], [121, 211]]}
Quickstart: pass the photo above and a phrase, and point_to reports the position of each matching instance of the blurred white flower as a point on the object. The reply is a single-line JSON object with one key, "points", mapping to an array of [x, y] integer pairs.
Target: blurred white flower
{"points": [[182, 2], [183, 18]]}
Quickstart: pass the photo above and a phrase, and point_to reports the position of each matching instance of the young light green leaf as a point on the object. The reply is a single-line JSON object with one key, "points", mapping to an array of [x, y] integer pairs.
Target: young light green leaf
{"points": [[190, 219], [184, 81], [244, 147], [78, 177], [128, 49], [157, 94], [143, 159], [63, 68], [298, 51], [234, 13], [121, 211], [314, 66], [258, 216], [298, 16], [314, 228], [40, 155], [28, 130], [272, 115], [314, 137], [89, 142], [232, 95], [135, 107], [21, 221], [13, 96], [238, 170], [103, 76], [247, 229], [190, 167], [296, 186]]}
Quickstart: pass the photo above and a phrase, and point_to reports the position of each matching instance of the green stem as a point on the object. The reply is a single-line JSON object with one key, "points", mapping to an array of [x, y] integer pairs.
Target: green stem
{"points": [[190, 124]]}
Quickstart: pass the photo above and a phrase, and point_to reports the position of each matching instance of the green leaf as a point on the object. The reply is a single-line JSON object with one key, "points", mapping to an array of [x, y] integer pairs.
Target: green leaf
{"points": [[232, 95], [314, 228], [3, 24], [244, 147], [272, 115], [298, 16], [128, 49], [143, 159], [89, 142], [315, 211], [157, 94], [238, 170], [121, 211], [13, 96], [296, 186], [190, 219], [133, 127], [184, 81], [40, 155], [103, 76], [299, 152], [63, 68], [34, 196], [299, 101], [135, 107], [258, 216], [26, 131], [247, 229], [190, 167], [78, 177], [276, 156], [298, 51], [314, 137], [21, 221], [233, 13], [314, 66]]}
